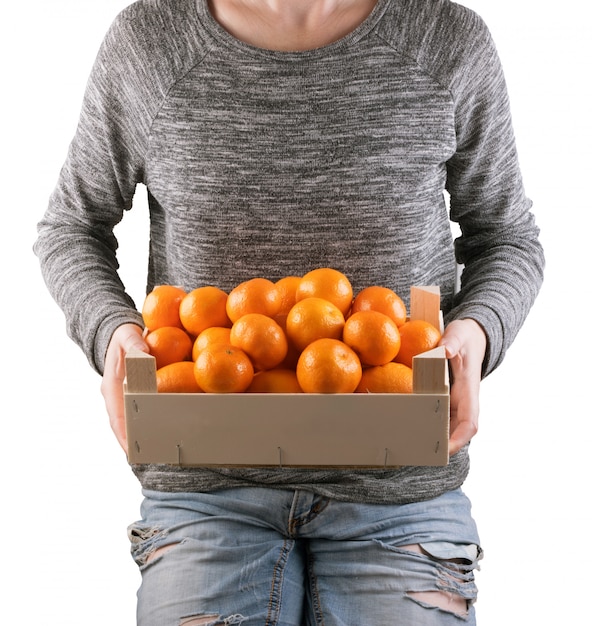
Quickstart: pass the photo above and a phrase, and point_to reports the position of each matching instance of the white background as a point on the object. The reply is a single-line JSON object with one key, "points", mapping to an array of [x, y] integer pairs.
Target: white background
{"points": [[67, 491]]}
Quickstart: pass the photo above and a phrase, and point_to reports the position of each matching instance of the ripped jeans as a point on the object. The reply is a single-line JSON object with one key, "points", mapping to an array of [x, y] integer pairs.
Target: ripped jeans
{"points": [[290, 558]]}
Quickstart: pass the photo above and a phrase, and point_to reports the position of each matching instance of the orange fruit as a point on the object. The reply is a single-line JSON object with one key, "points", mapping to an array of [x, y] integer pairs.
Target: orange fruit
{"points": [[328, 366], [287, 287], [417, 336], [329, 284], [374, 337], [256, 295], [275, 381], [161, 307], [169, 344], [209, 336], [313, 318], [223, 368], [291, 358], [262, 338], [383, 299], [204, 307], [388, 378], [177, 378]]}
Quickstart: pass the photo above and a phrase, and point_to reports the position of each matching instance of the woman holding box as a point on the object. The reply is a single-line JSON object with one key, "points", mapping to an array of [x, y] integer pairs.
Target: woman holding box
{"points": [[274, 137]]}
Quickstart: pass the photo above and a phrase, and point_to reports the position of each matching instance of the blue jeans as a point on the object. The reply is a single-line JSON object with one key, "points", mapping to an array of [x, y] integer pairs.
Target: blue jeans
{"points": [[290, 558]]}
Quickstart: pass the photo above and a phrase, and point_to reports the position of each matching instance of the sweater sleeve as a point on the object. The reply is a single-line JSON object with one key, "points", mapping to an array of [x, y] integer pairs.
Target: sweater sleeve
{"points": [[76, 245], [499, 247]]}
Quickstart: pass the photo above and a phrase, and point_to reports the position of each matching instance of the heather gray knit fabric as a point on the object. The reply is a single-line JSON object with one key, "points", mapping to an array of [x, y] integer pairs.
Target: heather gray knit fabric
{"points": [[266, 163]]}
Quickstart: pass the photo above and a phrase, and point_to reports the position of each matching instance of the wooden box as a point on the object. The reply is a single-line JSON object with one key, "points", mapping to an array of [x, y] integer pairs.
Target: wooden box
{"points": [[294, 430]]}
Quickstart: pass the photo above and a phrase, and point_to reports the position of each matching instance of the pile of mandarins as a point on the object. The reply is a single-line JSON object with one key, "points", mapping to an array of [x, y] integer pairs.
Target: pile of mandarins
{"points": [[300, 334]]}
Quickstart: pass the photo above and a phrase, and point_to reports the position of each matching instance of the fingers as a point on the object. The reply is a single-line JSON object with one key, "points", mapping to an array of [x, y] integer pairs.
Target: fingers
{"points": [[465, 344], [124, 339], [461, 436]]}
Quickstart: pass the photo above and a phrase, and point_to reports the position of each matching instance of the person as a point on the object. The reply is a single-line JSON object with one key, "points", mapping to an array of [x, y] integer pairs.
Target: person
{"points": [[273, 137]]}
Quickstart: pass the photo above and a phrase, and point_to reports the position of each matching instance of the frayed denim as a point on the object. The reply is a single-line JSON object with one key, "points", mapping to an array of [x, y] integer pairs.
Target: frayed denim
{"points": [[290, 558]]}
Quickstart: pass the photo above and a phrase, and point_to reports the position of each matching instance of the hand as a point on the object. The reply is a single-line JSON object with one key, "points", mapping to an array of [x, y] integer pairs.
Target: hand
{"points": [[124, 338], [465, 344]]}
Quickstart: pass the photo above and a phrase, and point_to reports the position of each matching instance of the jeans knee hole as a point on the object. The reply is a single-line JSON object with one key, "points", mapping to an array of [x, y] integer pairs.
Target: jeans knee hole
{"points": [[203, 620], [444, 600], [159, 552], [212, 620]]}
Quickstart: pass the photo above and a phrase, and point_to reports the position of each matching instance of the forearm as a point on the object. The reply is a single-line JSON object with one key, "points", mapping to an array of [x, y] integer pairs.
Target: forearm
{"points": [[77, 248], [499, 246], [498, 289], [81, 275]]}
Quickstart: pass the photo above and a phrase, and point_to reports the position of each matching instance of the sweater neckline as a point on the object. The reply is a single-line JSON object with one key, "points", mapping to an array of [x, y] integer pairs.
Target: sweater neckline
{"points": [[219, 33]]}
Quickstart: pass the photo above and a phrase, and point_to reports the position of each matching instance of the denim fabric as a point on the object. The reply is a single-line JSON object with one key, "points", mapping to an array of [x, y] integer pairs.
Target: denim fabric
{"points": [[291, 558]]}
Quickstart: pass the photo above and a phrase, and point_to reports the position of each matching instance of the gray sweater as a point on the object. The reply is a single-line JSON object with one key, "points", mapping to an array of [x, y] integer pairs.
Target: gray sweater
{"points": [[266, 163]]}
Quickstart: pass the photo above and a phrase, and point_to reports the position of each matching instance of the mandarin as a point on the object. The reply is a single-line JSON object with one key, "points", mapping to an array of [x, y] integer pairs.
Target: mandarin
{"points": [[223, 368], [169, 344], [275, 381], [161, 307], [204, 307], [329, 284], [313, 318], [328, 366], [293, 352], [383, 299], [209, 336], [256, 295], [388, 378], [288, 285], [417, 336], [177, 378], [262, 338], [373, 335]]}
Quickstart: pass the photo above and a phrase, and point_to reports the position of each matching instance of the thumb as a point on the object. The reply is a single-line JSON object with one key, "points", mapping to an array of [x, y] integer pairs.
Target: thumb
{"points": [[137, 344], [130, 338], [451, 345]]}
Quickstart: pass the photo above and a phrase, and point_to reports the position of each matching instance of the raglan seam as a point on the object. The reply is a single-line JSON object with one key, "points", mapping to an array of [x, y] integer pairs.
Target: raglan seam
{"points": [[176, 81], [418, 65], [131, 15]]}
